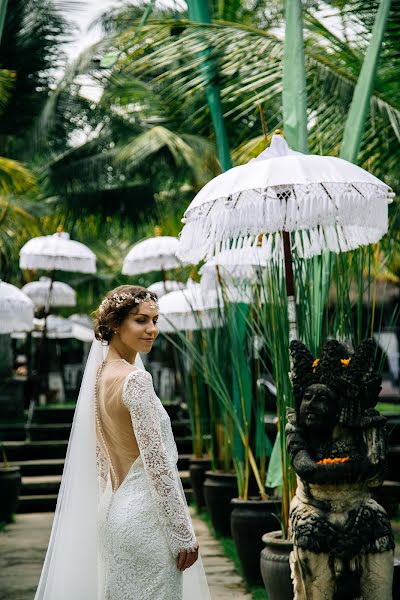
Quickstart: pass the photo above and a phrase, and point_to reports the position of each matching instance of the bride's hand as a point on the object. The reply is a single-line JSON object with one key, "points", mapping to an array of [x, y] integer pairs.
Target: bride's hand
{"points": [[186, 559]]}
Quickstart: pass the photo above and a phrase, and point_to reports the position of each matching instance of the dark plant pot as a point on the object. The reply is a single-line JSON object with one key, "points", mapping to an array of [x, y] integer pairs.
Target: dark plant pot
{"points": [[250, 519], [10, 486], [275, 569], [219, 489], [197, 469], [396, 579]]}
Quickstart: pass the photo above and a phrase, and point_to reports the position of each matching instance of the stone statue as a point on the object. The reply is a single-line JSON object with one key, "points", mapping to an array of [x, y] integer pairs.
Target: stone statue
{"points": [[343, 542]]}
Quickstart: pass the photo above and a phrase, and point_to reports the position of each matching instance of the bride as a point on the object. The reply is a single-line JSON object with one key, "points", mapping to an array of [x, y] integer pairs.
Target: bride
{"points": [[122, 529]]}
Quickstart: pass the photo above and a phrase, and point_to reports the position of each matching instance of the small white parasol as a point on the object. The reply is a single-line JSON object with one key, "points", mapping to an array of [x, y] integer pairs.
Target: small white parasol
{"points": [[82, 327], [329, 204], [16, 310], [160, 288], [237, 269], [57, 328], [57, 252], [46, 292], [82, 319], [154, 254], [189, 310]]}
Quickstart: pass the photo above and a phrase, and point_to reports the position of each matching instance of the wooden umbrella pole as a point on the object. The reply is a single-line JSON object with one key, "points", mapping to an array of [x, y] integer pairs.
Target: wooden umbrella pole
{"points": [[164, 279], [43, 370], [291, 301]]}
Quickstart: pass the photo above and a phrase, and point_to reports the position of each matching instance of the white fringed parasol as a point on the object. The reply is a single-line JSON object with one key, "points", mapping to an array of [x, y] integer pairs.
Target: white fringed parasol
{"points": [[189, 310], [57, 328], [160, 288], [82, 327], [238, 269], [16, 310], [154, 254], [285, 200], [57, 252], [52, 293], [328, 203]]}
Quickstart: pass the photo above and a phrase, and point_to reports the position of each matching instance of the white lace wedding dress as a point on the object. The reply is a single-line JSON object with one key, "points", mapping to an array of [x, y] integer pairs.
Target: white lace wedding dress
{"points": [[112, 540], [145, 522]]}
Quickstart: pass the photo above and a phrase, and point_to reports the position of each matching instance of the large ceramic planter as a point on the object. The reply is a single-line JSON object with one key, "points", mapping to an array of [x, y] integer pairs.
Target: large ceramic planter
{"points": [[275, 569], [197, 470], [396, 579], [219, 489], [10, 486], [250, 520]]}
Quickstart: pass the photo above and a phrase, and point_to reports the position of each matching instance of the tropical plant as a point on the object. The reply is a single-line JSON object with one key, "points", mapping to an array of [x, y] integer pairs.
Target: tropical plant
{"points": [[224, 359], [249, 61], [31, 51], [334, 299]]}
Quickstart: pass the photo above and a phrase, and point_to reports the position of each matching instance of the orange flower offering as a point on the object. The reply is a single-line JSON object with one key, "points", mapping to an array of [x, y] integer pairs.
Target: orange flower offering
{"points": [[315, 364], [333, 461], [345, 361]]}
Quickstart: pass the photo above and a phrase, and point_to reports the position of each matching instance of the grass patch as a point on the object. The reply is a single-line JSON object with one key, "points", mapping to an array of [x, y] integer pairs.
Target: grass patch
{"points": [[4, 524], [388, 407], [69, 404], [228, 545], [396, 529]]}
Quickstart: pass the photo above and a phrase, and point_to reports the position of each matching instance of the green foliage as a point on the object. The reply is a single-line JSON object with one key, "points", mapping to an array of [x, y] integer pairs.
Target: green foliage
{"points": [[334, 299], [224, 360], [248, 54], [31, 47], [386, 407]]}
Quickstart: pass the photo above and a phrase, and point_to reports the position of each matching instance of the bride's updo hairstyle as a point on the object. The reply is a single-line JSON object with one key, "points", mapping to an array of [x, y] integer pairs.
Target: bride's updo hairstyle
{"points": [[116, 306]]}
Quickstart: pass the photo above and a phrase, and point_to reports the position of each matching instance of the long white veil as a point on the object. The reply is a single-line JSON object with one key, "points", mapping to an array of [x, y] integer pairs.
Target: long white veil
{"points": [[70, 569]]}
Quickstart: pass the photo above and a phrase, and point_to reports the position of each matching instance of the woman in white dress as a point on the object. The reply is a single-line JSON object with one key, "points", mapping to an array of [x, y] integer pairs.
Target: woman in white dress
{"points": [[138, 543]]}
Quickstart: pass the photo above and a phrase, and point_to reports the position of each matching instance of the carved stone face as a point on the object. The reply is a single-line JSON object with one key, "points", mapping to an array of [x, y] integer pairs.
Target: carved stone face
{"points": [[318, 408]]}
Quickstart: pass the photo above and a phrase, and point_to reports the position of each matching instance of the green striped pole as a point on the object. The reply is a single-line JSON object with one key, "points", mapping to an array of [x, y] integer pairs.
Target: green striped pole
{"points": [[199, 12], [294, 96], [3, 11], [360, 104]]}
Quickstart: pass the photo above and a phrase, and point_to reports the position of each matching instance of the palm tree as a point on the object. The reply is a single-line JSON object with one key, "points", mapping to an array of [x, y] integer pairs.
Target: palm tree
{"points": [[30, 53], [31, 48], [249, 58]]}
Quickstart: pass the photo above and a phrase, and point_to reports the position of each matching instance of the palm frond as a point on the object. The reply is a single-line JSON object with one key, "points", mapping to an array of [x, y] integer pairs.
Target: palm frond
{"points": [[14, 177]]}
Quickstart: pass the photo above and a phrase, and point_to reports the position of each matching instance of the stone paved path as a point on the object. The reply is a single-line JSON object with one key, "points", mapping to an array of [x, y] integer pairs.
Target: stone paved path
{"points": [[23, 546], [22, 549], [224, 582]]}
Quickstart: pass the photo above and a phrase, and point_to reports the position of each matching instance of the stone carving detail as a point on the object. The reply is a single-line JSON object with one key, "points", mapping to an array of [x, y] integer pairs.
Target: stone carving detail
{"points": [[343, 542]]}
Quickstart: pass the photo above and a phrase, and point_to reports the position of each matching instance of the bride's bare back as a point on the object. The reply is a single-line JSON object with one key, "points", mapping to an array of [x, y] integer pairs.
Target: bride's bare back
{"points": [[115, 420]]}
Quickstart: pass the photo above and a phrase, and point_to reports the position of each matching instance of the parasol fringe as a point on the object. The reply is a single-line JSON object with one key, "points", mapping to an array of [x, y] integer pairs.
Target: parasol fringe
{"points": [[335, 217]]}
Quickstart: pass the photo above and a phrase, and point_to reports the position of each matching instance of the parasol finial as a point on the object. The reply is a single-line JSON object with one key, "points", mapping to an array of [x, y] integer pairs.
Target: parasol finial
{"points": [[157, 230]]}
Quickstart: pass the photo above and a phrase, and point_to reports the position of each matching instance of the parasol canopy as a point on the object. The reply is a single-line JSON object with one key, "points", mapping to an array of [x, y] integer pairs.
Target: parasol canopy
{"points": [[61, 293], [57, 328], [154, 254], [16, 310], [329, 204], [82, 327], [82, 319], [188, 310], [57, 252], [237, 268], [160, 288]]}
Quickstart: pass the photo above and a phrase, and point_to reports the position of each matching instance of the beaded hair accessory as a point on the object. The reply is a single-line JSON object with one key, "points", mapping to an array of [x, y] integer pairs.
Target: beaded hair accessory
{"points": [[120, 299]]}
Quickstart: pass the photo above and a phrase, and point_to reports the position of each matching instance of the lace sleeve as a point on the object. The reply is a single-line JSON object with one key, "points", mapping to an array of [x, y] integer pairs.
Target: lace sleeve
{"points": [[140, 399]]}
